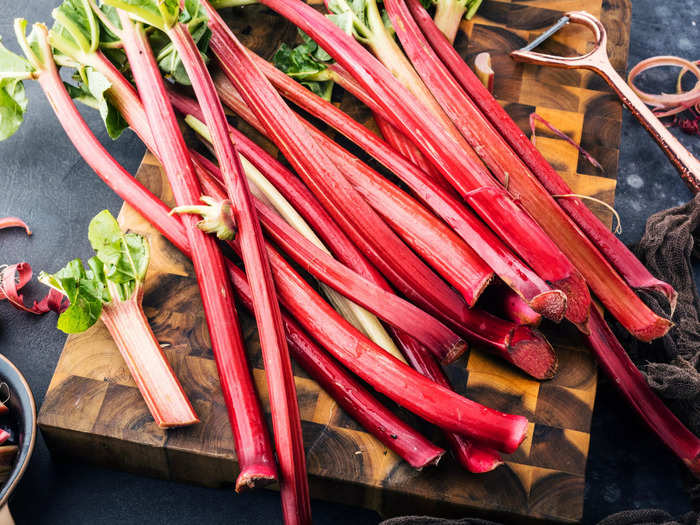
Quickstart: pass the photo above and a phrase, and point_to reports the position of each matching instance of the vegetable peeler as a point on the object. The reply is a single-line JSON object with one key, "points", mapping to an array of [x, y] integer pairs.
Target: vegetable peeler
{"points": [[597, 60]]}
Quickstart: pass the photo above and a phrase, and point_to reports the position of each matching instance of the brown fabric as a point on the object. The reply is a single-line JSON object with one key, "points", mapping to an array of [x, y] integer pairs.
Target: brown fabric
{"points": [[426, 520], [672, 364], [649, 517]]}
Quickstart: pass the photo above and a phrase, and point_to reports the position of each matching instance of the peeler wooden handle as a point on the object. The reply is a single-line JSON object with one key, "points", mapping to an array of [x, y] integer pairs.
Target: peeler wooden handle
{"points": [[597, 60]]}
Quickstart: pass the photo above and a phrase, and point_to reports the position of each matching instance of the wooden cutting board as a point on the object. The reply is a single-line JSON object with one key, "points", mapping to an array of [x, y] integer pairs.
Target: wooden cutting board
{"points": [[93, 411]]}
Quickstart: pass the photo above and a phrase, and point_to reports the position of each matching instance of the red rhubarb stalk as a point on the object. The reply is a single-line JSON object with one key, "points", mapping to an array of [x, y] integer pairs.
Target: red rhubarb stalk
{"points": [[490, 248], [629, 267], [252, 446], [14, 222], [531, 353], [613, 358], [347, 392], [472, 456], [387, 375], [471, 179], [286, 419], [396, 311], [430, 238], [366, 229]]}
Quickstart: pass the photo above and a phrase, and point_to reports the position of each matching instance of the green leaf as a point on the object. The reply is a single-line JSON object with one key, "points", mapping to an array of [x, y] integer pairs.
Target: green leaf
{"points": [[125, 256], [92, 91], [85, 291], [13, 99], [194, 16], [307, 63], [162, 14], [75, 27]]}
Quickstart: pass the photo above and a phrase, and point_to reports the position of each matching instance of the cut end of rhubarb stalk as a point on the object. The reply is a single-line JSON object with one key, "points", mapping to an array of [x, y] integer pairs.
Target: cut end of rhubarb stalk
{"points": [[532, 353], [551, 304], [431, 461], [578, 299], [518, 435], [482, 460], [256, 476], [454, 352], [658, 328], [669, 292], [694, 466]]}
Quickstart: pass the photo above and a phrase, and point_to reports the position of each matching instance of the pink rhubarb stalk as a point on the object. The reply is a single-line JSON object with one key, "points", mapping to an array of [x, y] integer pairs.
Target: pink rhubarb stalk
{"points": [[458, 165], [286, 420], [253, 449], [155, 379], [605, 282], [511, 270]]}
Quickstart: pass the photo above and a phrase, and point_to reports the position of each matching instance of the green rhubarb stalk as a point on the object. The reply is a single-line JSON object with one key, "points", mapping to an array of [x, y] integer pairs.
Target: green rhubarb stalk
{"points": [[450, 13]]}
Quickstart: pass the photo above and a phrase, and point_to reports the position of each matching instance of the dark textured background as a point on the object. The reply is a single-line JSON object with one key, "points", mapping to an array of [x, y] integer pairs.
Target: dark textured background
{"points": [[44, 181]]}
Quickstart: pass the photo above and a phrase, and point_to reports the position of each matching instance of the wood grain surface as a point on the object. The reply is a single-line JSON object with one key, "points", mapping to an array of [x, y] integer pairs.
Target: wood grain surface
{"points": [[94, 412]]}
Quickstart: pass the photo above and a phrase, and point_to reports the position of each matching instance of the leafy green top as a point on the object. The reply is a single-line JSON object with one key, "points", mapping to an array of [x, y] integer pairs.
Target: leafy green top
{"points": [[308, 64], [13, 99], [113, 274]]}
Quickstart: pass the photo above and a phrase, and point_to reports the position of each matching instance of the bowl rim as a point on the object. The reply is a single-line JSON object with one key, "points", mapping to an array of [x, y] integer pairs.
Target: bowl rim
{"points": [[20, 468]]}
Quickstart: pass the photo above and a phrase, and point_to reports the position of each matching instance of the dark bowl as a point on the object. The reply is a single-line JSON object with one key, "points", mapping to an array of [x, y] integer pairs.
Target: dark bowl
{"points": [[23, 410]]}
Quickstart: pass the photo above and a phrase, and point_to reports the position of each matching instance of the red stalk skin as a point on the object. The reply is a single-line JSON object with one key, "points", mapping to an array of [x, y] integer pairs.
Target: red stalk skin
{"points": [[613, 358], [152, 373], [253, 448], [550, 303], [405, 147], [624, 261], [444, 343], [508, 166], [457, 164], [4, 436], [371, 363], [352, 396], [347, 392], [359, 221], [520, 346], [472, 456], [430, 238], [510, 305], [393, 136], [14, 222], [286, 420]]}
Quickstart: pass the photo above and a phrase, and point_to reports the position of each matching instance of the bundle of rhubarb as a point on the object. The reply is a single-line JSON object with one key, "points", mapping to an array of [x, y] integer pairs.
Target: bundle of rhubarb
{"points": [[465, 235]]}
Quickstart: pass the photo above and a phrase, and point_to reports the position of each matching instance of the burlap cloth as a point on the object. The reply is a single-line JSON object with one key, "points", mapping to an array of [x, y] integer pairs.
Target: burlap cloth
{"points": [[671, 364]]}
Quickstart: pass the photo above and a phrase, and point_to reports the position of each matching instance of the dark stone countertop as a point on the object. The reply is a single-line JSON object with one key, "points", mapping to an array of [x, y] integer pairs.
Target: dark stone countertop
{"points": [[45, 181]]}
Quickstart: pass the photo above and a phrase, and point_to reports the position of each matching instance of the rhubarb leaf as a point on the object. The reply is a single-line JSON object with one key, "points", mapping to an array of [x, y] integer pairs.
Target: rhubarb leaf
{"points": [[85, 292], [308, 64], [194, 17], [162, 14], [125, 256], [13, 99], [75, 27], [119, 266], [92, 91]]}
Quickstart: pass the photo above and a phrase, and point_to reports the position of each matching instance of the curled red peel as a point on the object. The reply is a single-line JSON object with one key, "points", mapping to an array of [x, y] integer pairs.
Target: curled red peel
{"points": [[14, 277], [14, 222]]}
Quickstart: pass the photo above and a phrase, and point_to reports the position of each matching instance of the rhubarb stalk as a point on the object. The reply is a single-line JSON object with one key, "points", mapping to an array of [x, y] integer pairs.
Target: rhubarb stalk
{"points": [[511, 270], [252, 446], [473, 182], [286, 420], [611, 289], [111, 290]]}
